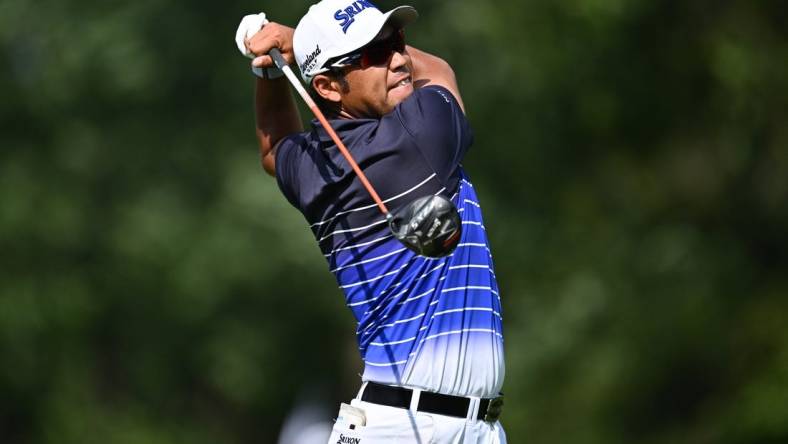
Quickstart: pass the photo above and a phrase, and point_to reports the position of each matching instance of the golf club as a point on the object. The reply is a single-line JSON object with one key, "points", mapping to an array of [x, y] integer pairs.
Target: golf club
{"points": [[429, 226]]}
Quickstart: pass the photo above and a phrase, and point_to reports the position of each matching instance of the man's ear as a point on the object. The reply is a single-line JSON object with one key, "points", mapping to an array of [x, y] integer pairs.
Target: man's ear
{"points": [[327, 87]]}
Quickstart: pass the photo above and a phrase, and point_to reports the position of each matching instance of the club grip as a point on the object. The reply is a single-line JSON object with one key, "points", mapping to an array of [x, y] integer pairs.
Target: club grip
{"points": [[279, 61]]}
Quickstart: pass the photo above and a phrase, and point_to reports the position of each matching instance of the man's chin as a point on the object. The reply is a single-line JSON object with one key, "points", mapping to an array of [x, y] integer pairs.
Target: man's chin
{"points": [[399, 94]]}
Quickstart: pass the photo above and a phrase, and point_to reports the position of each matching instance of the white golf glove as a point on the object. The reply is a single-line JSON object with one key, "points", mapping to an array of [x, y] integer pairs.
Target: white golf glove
{"points": [[248, 27]]}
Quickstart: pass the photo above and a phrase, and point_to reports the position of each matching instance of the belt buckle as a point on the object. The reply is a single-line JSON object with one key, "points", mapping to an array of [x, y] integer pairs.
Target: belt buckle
{"points": [[494, 409]]}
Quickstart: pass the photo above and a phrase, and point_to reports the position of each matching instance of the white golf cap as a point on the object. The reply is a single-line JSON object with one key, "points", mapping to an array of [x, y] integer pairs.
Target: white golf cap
{"points": [[334, 28]]}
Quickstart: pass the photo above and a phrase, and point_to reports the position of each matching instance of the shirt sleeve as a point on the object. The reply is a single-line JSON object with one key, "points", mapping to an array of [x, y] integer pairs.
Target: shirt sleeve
{"points": [[438, 126]]}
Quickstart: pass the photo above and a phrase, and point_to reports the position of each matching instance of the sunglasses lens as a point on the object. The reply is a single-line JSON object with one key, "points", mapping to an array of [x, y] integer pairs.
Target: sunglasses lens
{"points": [[375, 55], [379, 52], [399, 41]]}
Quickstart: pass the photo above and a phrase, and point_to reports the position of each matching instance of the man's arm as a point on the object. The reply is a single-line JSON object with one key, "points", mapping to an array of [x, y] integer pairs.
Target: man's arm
{"points": [[276, 115], [432, 70]]}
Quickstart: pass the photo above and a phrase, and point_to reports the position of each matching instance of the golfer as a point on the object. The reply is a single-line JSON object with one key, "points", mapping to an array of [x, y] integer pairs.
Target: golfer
{"points": [[429, 329]]}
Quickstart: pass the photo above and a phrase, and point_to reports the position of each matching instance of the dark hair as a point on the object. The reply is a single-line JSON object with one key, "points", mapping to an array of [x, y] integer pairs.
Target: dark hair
{"points": [[329, 108]]}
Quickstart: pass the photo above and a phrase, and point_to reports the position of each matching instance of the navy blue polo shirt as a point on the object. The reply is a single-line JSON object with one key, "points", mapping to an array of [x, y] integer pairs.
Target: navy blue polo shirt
{"points": [[417, 316]]}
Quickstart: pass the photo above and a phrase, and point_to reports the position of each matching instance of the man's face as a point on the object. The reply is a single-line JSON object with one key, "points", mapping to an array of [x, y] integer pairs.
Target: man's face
{"points": [[375, 90]]}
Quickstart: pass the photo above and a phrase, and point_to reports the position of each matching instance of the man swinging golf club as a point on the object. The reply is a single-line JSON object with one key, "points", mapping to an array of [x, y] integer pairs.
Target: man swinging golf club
{"points": [[379, 181]]}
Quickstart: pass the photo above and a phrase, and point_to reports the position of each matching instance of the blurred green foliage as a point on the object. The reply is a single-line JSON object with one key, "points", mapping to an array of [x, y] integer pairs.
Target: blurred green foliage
{"points": [[632, 160]]}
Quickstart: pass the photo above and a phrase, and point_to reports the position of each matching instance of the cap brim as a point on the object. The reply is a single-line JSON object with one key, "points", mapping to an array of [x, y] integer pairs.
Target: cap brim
{"points": [[402, 16], [397, 17]]}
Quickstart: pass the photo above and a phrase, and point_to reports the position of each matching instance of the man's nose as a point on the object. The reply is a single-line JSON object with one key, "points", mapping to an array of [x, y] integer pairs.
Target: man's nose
{"points": [[398, 60]]}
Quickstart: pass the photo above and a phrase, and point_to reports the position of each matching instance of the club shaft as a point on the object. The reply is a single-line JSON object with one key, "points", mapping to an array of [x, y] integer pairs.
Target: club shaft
{"points": [[281, 64]]}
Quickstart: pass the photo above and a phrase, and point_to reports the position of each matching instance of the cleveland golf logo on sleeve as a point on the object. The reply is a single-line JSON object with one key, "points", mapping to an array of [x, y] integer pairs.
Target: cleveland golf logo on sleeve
{"points": [[346, 16]]}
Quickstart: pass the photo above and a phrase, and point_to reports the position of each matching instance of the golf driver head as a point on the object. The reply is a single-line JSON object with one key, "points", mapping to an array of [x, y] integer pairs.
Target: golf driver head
{"points": [[430, 226]]}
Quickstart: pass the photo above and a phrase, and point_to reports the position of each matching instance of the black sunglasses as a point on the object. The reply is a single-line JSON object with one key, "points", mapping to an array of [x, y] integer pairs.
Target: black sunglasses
{"points": [[377, 52]]}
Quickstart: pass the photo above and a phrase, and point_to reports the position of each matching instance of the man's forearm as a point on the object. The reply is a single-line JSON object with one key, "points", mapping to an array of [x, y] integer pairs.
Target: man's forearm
{"points": [[276, 116]]}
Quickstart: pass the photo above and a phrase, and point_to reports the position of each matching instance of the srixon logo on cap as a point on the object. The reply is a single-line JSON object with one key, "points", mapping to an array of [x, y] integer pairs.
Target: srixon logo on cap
{"points": [[346, 16]]}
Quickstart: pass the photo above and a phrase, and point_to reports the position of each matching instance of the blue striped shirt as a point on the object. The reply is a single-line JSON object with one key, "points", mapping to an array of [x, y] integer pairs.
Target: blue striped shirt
{"points": [[427, 323]]}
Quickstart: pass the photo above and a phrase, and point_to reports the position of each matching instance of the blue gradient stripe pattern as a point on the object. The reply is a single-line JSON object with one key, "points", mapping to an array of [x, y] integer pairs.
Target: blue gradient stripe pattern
{"points": [[422, 322]]}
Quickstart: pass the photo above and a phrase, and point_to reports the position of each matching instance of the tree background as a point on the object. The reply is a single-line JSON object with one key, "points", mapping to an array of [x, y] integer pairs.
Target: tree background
{"points": [[631, 157]]}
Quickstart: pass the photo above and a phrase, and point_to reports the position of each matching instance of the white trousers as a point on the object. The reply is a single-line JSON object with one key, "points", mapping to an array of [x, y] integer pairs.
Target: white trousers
{"points": [[392, 425]]}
